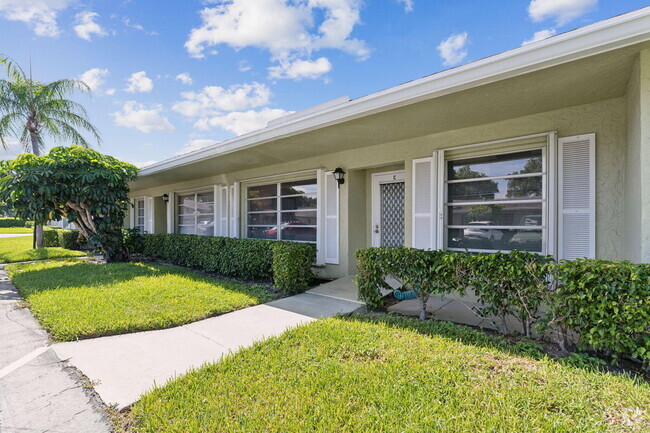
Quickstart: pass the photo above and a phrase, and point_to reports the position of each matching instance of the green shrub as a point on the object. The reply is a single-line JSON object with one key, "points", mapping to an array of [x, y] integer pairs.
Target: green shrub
{"points": [[12, 223], [29, 224], [292, 266], [50, 237], [133, 241], [241, 258], [514, 284], [606, 303], [69, 239], [423, 271]]}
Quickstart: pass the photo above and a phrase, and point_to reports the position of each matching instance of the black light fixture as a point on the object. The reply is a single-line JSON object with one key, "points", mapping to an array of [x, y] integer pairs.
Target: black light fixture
{"points": [[338, 175], [165, 198]]}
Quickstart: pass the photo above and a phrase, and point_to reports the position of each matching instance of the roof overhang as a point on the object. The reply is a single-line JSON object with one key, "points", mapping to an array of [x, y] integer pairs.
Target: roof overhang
{"points": [[598, 38]]}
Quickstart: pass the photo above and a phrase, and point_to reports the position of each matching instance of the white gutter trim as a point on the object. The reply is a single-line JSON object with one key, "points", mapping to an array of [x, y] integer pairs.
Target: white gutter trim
{"points": [[603, 36]]}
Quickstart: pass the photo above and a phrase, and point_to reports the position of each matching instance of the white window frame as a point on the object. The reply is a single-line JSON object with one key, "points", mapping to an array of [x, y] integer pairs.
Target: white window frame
{"points": [[548, 243], [195, 214], [278, 211]]}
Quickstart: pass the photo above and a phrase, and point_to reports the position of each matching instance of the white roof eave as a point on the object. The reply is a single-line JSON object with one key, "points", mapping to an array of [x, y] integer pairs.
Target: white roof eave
{"points": [[614, 33]]}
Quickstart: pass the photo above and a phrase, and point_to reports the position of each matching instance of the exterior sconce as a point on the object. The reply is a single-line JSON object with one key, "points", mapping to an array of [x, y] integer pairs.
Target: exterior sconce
{"points": [[338, 175], [165, 198]]}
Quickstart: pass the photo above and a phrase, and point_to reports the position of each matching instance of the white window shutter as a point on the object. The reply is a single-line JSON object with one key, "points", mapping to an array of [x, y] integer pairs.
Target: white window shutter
{"points": [[132, 211], [148, 214], [222, 212], [234, 210], [577, 197], [171, 208], [423, 205], [331, 223]]}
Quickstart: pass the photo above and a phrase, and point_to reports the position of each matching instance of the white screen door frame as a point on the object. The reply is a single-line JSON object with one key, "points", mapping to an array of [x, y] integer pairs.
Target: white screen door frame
{"points": [[377, 180]]}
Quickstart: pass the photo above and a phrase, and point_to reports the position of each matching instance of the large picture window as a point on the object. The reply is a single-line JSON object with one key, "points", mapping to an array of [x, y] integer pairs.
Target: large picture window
{"points": [[496, 202], [195, 214], [282, 211]]}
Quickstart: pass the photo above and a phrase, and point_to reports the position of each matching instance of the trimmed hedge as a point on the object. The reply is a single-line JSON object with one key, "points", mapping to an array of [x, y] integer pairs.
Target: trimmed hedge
{"points": [[605, 303], [241, 258], [64, 238], [13, 223]]}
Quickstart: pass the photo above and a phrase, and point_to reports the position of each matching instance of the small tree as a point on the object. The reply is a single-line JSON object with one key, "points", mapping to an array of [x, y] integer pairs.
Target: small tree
{"points": [[88, 188]]}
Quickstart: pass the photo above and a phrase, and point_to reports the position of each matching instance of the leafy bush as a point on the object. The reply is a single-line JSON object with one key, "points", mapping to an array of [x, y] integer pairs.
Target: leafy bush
{"points": [[29, 224], [292, 266], [133, 240], [241, 258], [512, 284], [424, 271], [50, 237], [69, 239], [12, 223], [606, 303]]}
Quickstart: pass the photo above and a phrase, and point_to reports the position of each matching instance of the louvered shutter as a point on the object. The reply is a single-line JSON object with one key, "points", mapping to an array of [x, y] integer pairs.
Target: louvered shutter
{"points": [[331, 232], [222, 210], [234, 210], [148, 214], [423, 206], [577, 197], [171, 209]]}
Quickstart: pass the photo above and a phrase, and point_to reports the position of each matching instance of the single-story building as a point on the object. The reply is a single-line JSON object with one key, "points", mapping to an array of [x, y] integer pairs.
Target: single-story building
{"points": [[544, 148]]}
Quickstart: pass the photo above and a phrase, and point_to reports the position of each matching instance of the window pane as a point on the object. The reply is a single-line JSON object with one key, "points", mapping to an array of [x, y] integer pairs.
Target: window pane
{"points": [[186, 200], [186, 230], [496, 165], [205, 228], [258, 219], [299, 187], [500, 189], [207, 208], [302, 218], [185, 210], [263, 191], [262, 232], [268, 204], [299, 202], [307, 234], [185, 220], [516, 214], [205, 197], [490, 239]]}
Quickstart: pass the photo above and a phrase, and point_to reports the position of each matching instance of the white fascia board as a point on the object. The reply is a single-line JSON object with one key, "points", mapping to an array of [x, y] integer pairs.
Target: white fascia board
{"points": [[607, 35]]}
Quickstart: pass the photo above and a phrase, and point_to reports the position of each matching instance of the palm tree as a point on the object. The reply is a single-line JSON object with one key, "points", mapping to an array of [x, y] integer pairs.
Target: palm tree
{"points": [[31, 110]]}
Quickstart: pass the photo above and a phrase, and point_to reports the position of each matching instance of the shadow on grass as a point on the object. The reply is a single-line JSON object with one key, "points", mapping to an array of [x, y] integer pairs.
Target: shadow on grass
{"points": [[474, 337], [73, 273]]}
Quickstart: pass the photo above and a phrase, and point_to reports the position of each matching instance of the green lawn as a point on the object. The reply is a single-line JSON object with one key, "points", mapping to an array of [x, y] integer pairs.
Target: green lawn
{"points": [[360, 374], [74, 299], [4, 230], [19, 249]]}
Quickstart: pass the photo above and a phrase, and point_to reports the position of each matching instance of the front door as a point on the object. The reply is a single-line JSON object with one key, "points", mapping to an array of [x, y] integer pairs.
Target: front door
{"points": [[388, 209]]}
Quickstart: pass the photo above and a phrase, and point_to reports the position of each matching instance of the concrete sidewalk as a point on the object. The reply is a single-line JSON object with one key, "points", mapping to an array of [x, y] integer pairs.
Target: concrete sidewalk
{"points": [[122, 367], [39, 392]]}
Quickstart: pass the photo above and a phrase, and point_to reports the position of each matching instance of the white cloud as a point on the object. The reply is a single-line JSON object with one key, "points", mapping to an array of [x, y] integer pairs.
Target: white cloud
{"points": [[241, 122], [139, 82], [562, 11], [184, 78], [110, 92], [540, 35], [299, 69], [142, 118], [452, 50], [288, 30], [86, 27], [39, 15], [142, 164], [127, 22], [195, 144], [95, 78], [244, 66], [214, 99], [408, 5]]}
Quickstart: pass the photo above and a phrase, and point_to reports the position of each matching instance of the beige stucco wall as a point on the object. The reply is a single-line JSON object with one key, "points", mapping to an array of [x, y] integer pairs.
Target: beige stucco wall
{"points": [[606, 118], [637, 162]]}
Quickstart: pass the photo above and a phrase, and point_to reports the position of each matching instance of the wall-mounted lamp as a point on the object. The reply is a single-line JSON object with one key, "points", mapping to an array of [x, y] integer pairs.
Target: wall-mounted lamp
{"points": [[165, 198], [338, 175]]}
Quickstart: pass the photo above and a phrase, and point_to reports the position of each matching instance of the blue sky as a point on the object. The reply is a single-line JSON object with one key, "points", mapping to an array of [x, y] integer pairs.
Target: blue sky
{"points": [[174, 75]]}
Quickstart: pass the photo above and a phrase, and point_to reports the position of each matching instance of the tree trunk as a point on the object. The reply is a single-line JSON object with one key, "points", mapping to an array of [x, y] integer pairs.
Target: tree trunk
{"points": [[38, 228]]}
